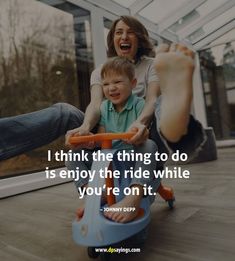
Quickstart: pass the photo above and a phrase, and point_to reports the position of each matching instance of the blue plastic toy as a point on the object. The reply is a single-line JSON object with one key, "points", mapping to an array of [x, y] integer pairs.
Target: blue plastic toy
{"points": [[94, 229]]}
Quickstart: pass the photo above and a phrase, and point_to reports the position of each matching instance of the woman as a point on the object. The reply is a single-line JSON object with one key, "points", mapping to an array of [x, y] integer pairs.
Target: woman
{"points": [[26, 132], [176, 129], [174, 64], [129, 38]]}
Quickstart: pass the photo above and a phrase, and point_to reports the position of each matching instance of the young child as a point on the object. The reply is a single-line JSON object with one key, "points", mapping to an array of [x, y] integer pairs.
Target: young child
{"points": [[120, 109]]}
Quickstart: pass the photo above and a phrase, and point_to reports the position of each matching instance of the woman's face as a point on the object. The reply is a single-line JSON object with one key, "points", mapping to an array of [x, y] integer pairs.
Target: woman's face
{"points": [[125, 41]]}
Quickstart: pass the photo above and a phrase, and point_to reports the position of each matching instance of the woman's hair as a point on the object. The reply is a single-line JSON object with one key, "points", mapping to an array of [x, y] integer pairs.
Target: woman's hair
{"points": [[120, 66], [145, 47]]}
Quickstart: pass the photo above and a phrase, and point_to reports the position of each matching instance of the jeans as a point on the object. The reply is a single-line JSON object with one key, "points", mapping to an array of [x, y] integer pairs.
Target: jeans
{"points": [[191, 143], [19, 134], [147, 148]]}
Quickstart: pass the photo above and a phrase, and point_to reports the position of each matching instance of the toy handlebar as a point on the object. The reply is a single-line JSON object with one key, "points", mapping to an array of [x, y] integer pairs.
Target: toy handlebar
{"points": [[106, 143], [104, 138]]}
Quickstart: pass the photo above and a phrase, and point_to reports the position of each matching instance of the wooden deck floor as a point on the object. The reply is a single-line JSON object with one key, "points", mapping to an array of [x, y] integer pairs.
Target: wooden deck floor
{"points": [[37, 225]]}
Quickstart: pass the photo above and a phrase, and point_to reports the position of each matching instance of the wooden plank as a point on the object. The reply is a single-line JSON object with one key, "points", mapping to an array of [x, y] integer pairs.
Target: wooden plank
{"points": [[37, 225]]}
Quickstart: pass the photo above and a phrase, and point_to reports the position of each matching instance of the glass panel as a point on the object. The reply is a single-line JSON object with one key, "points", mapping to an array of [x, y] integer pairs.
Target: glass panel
{"points": [[125, 3], [195, 15], [160, 9], [187, 19], [209, 6], [38, 58], [218, 74], [107, 26], [219, 21], [83, 48], [195, 35], [228, 37], [214, 24]]}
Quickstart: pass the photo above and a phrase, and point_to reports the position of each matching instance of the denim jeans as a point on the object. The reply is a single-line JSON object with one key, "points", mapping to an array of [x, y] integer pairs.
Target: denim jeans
{"points": [[148, 147], [19, 134], [191, 143]]}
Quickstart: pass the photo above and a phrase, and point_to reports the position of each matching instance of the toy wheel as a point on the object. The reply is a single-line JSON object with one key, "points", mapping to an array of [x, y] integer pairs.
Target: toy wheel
{"points": [[171, 203], [105, 256], [92, 253], [140, 237]]}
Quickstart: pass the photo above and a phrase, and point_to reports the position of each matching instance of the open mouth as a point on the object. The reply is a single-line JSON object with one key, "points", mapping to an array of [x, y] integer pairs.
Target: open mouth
{"points": [[125, 46], [115, 95]]}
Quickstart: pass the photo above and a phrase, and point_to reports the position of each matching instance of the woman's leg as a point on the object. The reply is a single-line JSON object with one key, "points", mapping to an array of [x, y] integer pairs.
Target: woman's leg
{"points": [[177, 128], [25, 132], [190, 143], [175, 70]]}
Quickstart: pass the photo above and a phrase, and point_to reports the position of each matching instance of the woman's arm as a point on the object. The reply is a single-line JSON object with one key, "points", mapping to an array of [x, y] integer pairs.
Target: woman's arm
{"points": [[92, 114], [140, 125], [153, 92]]}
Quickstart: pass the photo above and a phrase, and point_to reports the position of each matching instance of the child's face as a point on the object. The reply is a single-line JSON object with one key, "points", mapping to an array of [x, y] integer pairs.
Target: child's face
{"points": [[117, 88]]}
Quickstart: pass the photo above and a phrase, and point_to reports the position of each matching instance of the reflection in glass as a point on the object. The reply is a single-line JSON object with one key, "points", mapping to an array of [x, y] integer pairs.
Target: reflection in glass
{"points": [[218, 74], [43, 53]]}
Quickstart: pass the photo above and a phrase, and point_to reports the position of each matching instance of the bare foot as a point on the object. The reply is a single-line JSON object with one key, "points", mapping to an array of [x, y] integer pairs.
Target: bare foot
{"points": [[175, 70], [125, 210], [80, 211]]}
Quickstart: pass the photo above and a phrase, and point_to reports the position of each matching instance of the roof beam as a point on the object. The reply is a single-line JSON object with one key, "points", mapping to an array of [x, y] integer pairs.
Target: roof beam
{"points": [[213, 36], [217, 43], [154, 29], [52, 2], [91, 7], [194, 27], [83, 4], [80, 3], [111, 11], [110, 6], [138, 5], [80, 20], [179, 13]]}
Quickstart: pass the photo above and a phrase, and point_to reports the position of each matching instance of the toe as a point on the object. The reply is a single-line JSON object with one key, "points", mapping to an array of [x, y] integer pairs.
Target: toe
{"points": [[116, 216], [79, 213], [162, 48], [190, 53], [173, 47], [181, 48]]}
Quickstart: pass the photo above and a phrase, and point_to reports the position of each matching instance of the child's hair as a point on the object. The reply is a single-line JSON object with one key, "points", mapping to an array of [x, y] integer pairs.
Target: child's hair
{"points": [[119, 65]]}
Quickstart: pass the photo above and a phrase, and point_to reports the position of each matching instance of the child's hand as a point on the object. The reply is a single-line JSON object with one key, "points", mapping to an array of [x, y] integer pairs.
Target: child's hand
{"points": [[84, 145], [141, 135], [87, 145]]}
